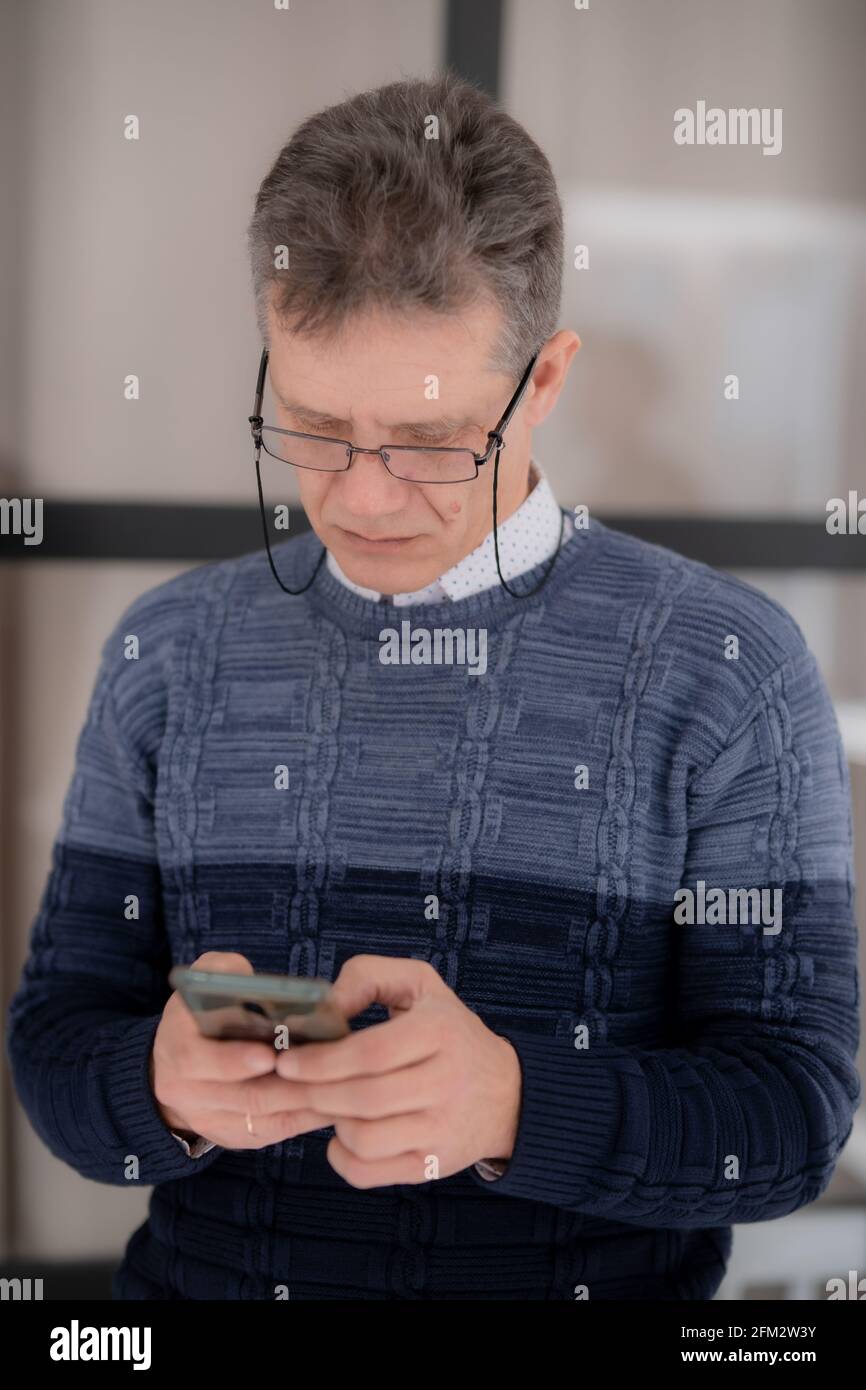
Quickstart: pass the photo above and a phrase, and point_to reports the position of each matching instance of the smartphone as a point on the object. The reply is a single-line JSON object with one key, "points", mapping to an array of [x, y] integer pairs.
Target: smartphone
{"points": [[255, 1006]]}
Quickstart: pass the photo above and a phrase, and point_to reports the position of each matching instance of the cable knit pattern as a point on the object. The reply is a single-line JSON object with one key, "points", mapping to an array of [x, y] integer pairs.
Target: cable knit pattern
{"points": [[676, 1079]]}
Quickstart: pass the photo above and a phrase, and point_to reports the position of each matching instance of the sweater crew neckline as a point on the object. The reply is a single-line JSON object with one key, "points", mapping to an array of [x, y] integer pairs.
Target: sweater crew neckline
{"points": [[492, 606]]}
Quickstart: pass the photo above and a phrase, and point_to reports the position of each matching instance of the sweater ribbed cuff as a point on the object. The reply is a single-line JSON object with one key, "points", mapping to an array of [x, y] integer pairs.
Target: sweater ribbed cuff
{"points": [[568, 1125], [132, 1106]]}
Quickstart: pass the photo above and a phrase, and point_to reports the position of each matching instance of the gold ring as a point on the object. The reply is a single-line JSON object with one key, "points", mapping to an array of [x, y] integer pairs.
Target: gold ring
{"points": [[250, 1129]]}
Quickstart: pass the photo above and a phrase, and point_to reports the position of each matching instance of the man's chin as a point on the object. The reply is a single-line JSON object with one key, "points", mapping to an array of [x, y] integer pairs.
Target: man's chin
{"points": [[385, 575]]}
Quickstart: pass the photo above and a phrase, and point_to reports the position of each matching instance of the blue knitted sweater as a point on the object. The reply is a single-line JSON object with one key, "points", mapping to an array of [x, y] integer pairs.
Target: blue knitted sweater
{"points": [[678, 1077]]}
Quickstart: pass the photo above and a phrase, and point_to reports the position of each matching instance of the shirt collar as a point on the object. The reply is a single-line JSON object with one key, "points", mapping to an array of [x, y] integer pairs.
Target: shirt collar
{"points": [[526, 538]]}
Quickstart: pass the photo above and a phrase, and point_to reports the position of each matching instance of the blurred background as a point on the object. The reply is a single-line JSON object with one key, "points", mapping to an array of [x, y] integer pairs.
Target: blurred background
{"points": [[120, 257]]}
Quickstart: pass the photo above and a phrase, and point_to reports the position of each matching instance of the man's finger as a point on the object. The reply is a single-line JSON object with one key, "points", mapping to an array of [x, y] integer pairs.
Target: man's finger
{"points": [[227, 962], [399, 1042], [419, 1087], [260, 1095], [374, 1140], [230, 1130], [383, 1172], [197, 1058], [391, 980]]}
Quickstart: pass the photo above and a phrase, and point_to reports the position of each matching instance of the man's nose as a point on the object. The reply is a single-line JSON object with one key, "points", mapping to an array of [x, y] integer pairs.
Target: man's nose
{"points": [[368, 489]]}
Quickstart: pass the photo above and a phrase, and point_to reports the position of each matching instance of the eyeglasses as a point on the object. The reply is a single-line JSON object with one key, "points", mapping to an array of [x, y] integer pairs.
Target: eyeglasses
{"points": [[426, 465]]}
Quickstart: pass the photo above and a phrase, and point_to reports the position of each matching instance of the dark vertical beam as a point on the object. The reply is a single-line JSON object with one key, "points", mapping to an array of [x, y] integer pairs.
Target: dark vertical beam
{"points": [[473, 34]]}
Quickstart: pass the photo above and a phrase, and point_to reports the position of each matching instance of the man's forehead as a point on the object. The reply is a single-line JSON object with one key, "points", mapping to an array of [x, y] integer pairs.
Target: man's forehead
{"points": [[392, 358], [389, 392]]}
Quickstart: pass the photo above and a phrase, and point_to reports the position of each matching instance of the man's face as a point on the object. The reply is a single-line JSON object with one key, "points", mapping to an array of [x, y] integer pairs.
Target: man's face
{"points": [[372, 385]]}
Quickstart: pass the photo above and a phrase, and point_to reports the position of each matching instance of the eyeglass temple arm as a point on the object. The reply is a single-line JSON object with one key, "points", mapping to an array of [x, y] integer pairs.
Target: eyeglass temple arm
{"points": [[256, 418], [495, 436]]}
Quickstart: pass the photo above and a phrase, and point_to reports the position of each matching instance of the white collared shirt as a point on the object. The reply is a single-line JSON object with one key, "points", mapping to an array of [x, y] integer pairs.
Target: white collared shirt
{"points": [[526, 538]]}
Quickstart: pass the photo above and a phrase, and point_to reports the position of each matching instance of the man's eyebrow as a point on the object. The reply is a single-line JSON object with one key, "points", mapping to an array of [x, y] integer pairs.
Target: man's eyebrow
{"points": [[443, 424], [307, 412]]}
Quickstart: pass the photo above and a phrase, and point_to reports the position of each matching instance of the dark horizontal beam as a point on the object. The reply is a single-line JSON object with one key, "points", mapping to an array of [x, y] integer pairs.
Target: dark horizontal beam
{"points": [[748, 542], [135, 531], [144, 531]]}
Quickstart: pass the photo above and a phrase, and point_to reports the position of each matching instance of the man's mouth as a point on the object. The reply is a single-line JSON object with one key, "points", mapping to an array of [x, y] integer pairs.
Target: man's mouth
{"points": [[376, 542]]}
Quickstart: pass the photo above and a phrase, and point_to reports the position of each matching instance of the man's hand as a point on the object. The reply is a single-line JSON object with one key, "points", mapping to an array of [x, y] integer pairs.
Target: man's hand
{"points": [[423, 1095], [208, 1086]]}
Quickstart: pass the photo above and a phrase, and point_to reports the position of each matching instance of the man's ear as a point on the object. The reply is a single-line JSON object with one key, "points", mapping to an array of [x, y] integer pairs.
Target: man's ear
{"points": [[548, 379]]}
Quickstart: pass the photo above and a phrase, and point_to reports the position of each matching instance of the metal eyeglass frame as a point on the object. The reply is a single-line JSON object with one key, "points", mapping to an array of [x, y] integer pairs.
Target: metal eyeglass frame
{"points": [[494, 438]]}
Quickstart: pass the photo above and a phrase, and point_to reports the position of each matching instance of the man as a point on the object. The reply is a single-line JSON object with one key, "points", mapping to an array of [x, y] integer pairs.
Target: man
{"points": [[564, 815]]}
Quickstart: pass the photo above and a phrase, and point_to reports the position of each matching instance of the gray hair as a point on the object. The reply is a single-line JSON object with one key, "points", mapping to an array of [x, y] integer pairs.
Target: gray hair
{"points": [[374, 212]]}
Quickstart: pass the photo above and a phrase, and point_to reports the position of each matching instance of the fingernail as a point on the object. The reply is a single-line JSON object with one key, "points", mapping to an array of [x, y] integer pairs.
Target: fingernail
{"points": [[288, 1064]]}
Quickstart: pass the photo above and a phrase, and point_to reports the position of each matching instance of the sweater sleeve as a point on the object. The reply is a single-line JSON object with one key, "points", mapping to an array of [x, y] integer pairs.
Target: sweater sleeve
{"points": [[743, 1118], [94, 985]]}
